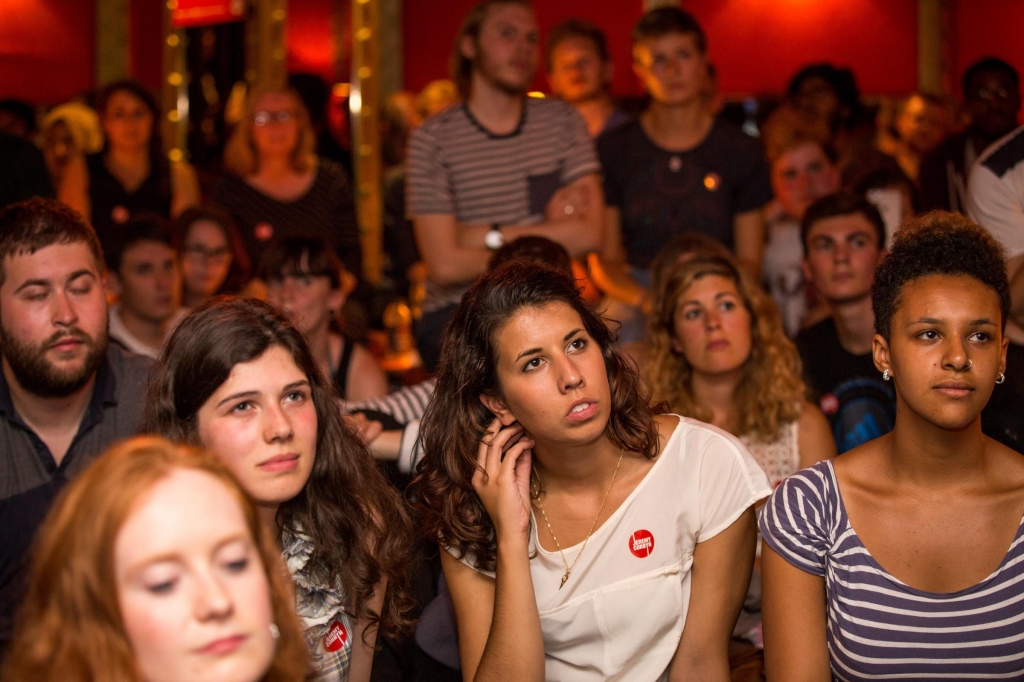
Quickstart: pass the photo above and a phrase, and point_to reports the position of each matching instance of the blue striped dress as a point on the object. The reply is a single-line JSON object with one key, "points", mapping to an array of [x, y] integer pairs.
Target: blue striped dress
{"points": [[878, 627]]}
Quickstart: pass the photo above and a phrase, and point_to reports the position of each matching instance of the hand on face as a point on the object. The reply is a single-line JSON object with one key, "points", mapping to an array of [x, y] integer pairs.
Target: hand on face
{"points": [[502, 478], [262, 424], [193, 592]]}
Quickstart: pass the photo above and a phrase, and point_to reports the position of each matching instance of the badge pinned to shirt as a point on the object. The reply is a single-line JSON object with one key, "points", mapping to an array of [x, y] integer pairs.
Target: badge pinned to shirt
{"points": [[641, 544], [336, 637], [712, 181]]}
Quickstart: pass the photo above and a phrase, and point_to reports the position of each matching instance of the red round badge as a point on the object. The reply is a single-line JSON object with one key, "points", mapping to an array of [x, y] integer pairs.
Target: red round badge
{"points": [[641, 543], [264, 231], [829, 403], [119, 214], [336, 637]]}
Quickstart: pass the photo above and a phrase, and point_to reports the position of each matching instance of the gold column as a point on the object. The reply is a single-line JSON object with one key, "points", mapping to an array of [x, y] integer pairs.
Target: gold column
{"points": [[174, 94], [364, 102], [265, 43], [935, 58], [111, 41]]}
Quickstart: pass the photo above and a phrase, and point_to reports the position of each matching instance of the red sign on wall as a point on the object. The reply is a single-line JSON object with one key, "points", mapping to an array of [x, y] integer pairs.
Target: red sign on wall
{"points": [[189, 13]]}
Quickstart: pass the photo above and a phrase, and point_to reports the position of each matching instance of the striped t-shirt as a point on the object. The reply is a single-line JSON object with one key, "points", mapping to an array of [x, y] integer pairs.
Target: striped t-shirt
{"points": [[880, 628], [456, 167]]}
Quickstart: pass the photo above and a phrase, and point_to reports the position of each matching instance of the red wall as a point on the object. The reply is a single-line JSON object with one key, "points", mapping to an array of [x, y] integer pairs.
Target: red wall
{"points": [[309, 38], [988, 28], [146, 42], [47, 50], [756, 44]]}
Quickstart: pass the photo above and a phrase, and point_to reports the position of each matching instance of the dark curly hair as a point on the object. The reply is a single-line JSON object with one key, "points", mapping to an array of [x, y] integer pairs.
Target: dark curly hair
{"points": [[938, 243], [442, 494], [360, 530]]}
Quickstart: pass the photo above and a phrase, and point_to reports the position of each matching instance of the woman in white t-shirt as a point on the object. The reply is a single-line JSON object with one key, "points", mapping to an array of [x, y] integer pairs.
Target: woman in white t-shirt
{"points": [[586, 538]]}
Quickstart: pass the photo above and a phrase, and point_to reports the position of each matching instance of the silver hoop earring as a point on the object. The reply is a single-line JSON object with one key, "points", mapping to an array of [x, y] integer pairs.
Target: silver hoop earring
{"points": [[886, 375], [274, 631], [1001, 379]]}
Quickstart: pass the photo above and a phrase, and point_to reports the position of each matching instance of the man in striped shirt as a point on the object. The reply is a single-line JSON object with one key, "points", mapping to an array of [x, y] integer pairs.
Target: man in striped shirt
{"points": [[497, 167]]}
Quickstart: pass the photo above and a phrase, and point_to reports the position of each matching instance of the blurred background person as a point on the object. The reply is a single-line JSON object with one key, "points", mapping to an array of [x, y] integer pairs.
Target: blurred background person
{"points": [[922, 121], [212, 258], [307, 281], [144, 276], [580, 72], [276, 186], [155, 565], [69, 131], [18, 118], [132, 173], [316, 95], [803, 169], [991, 92]]}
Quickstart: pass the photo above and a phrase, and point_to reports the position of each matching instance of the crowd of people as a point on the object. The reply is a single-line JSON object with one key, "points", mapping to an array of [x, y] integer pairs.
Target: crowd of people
{"points": [[700, 405]]}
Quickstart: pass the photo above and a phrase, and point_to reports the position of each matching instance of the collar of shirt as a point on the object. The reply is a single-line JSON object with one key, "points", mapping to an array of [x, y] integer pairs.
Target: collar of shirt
{"points": [[104, 393]]}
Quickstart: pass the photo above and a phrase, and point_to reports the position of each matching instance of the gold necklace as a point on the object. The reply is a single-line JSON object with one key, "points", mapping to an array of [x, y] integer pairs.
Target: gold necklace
{"points": [[568, 566]]}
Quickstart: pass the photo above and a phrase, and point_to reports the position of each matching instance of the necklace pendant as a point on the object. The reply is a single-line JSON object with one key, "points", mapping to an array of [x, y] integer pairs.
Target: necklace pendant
{"points": [[565, 577]]}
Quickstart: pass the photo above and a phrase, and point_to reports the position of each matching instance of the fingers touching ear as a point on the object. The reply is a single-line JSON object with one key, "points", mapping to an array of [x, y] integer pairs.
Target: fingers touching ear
{"points": [[500, 410]]}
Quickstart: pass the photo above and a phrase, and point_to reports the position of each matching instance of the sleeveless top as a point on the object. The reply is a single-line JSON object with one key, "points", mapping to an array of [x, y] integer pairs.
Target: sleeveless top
{"points": [[327, 627], [779, 458], [340, 375], [622, 612], [879, 627], [113, 206]]}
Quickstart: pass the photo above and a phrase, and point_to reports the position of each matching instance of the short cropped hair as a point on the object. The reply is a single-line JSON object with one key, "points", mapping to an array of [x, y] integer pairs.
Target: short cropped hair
{"points": [[577, 28], [34, 224], [938, 243], [664, 20], [839, 204], [144, 227], [533, 249], [301, 256], [987, 65]]}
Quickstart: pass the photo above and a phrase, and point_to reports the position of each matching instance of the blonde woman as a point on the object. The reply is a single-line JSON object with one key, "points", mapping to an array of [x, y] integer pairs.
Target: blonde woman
{"points": [[276, 186], [718, 353]]}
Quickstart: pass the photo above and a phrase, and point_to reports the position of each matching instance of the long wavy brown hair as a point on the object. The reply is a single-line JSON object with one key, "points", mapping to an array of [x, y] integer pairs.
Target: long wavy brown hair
{"points": [[771, 392], [70, 627], [448, 508], [360, 530]]}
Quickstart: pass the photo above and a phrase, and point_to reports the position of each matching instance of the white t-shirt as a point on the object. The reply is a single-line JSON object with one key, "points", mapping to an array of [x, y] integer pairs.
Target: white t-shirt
{"points": [[621, 614], [996, 191]]}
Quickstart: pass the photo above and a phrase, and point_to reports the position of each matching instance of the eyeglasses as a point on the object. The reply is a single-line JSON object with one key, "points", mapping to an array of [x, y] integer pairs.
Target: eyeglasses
{"points": [[199, 252], [264, 118]]}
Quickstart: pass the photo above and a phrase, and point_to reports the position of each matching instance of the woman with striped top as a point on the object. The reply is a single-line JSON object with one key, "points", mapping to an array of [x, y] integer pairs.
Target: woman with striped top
{"points": [[904, 558]]}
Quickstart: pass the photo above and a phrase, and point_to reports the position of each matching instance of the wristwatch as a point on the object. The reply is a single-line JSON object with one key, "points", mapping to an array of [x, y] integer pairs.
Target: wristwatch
{"points": [[494, 239]]}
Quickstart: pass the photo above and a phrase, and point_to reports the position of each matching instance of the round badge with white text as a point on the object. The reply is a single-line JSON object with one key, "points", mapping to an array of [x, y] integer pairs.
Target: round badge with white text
{"points": [[641, 543]]}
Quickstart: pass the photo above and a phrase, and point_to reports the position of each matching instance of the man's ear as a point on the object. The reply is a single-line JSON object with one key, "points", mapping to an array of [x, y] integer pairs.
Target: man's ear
{"points": [[880, 353], [467, 47], [497, 406]]}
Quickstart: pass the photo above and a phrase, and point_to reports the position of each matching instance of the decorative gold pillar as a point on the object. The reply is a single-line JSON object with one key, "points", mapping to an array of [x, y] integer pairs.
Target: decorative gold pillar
{"points": [[111, 41], [364, 102], [392, 77], [174, 94], [265, 43], [935, 47]]}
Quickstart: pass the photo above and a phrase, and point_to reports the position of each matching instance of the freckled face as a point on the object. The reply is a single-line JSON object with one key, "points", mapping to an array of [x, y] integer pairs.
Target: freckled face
{"points": [[552, 374], [946, 348], [712, 326]]}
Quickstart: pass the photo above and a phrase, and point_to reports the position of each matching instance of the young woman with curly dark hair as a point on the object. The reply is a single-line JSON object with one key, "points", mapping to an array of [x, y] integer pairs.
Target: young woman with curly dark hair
{"points": [[892, 560], [587, 538], [238, 379]]}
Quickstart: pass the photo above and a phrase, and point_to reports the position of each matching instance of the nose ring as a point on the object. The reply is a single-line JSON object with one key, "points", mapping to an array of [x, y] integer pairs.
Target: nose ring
{"points": [[970, 363]]}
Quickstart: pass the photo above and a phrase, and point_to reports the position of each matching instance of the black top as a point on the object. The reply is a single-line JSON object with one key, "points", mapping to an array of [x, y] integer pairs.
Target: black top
{"points": [[113, 206], [23, 172], [340, 375], [30, 478], [943, 176], [660, 193], [327, 211], [859, 405]]}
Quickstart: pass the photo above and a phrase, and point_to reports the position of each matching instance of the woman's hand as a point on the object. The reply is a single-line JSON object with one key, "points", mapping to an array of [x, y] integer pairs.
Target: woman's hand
{"points": [[502, 478]]}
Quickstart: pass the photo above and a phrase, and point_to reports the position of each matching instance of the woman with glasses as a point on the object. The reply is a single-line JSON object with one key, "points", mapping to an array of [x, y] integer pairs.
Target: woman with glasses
{"points": [[277, 187], [213, 260], [132, 173]]}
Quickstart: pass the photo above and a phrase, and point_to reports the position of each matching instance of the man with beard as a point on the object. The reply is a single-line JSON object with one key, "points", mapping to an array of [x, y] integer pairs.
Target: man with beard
{"points": [[580, 73], [844, 241], [65, 394], [497, 167]]}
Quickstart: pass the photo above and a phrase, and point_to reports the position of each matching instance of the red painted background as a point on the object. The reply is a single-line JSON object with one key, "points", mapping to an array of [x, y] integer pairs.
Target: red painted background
{"points": [[47, 47]]}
